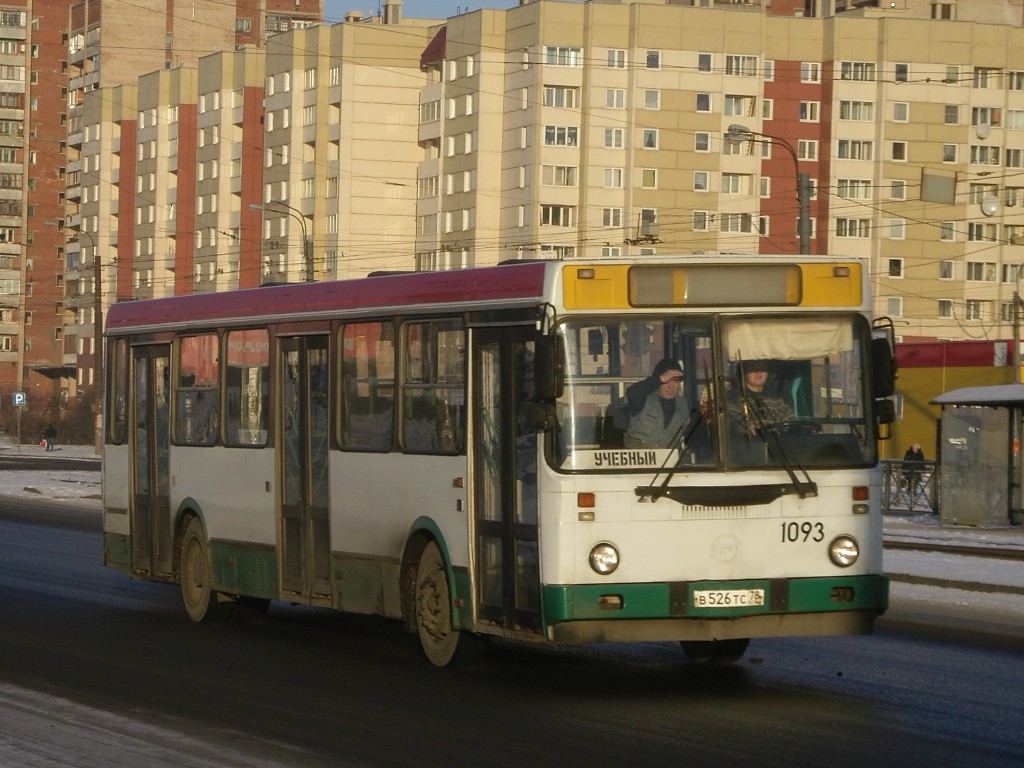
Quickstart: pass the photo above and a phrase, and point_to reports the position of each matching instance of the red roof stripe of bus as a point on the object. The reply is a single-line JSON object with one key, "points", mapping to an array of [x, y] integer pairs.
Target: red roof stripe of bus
{"points": [[951, 354], [493, 284]]}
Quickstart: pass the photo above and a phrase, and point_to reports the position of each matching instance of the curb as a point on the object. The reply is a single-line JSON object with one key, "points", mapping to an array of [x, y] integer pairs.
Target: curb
{"points": [[969, 586]]}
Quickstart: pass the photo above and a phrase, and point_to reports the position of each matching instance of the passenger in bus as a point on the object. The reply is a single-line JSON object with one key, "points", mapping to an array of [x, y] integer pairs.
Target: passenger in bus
{"points": [[750, 404], [658, 411]]}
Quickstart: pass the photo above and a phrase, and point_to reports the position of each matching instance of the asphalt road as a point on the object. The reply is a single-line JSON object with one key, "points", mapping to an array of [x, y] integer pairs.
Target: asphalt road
{"points": [[310, 687]]}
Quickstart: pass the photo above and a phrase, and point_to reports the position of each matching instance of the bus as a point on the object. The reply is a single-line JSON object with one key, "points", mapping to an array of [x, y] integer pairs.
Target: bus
{"points": [[454, 450]]}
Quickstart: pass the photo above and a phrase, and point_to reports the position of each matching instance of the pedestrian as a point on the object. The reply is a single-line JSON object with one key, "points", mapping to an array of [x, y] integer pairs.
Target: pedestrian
{"points": [[50, 437], [913, 466]]}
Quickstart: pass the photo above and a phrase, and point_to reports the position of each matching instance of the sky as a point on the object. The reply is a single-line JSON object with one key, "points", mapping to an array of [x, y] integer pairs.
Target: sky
{"points": [[334, 10]]}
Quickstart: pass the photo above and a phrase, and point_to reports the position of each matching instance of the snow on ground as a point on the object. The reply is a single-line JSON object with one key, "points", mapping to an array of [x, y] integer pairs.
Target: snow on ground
{"points": [[56, 484]]}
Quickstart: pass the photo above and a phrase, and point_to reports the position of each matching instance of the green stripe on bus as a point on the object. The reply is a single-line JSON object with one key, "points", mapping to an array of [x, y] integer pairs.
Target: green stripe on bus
{"points": [[662, 600]]}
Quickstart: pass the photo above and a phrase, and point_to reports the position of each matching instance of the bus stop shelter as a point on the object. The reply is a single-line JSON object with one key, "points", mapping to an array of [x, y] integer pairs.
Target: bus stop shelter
{"points": [[980, 458]]}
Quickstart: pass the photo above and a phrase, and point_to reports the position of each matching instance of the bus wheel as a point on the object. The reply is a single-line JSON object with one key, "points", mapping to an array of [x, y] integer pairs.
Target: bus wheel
{"points": [[439, 640], [715, 651], [196, 593]]}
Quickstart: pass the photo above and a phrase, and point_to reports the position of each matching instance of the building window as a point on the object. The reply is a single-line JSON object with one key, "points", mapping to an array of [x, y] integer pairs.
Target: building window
{"points": [[562, 56], [850, 149], [615, 98], [745, 66], [945, 308], [652, 99], [700, 221], [611, 217], [557, 96], [616, 59], [897, 230], [857, 70], [947, 232], [895, 267], [561, 135], [857, 110], [807, 149], [558, 215], [702, 141], [947, 269], [981, 271], [894, 306], [653, 60], [650, 138], [810, 111], [899, 151], [703, 102], [613, 138], [704, 62], [974, 309], [897, 189], [949, 153], [859, 228], [700, 181], [900, 112], [952, 114], [649, 178], [613, 178], [810, 72]]}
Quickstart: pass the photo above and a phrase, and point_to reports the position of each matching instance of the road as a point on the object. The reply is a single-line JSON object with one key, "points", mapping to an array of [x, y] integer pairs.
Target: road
{"points": [[303, 687]]}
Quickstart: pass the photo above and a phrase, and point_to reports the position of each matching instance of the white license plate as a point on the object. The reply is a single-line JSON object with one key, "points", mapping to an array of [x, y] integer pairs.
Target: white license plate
{"points": [[727, 598]]}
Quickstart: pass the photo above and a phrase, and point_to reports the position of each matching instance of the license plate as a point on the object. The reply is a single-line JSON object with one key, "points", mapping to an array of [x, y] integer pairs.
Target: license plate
{"points": [[727, 598]]}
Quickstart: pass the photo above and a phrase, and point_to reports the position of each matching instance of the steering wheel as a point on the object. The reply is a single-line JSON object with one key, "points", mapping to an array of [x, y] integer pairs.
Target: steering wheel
{"points": [[798, 427]]}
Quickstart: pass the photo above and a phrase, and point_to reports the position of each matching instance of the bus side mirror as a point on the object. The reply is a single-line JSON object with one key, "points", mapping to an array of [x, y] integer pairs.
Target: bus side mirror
{"points": [[548, 368], [883, 368], [885, 411]]}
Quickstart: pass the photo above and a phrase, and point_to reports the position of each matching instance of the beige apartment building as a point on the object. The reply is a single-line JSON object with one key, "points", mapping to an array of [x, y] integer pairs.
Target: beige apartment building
{"points": [[576, 130], [59, 233]]}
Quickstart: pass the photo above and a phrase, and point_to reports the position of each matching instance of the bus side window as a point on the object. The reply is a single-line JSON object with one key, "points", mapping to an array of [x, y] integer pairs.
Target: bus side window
{"points": [[118, 364], [197, 411], [367, 386], [433, 385], [248, 388]]}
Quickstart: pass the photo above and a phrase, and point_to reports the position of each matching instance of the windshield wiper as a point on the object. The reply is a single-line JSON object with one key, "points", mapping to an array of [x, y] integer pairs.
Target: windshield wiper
{"points": [[804, 487], [655, 492]]}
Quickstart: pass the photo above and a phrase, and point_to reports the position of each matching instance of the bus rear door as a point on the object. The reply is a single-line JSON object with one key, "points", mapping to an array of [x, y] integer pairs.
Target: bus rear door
{"points": [[152, 539], [305, 536], [505, 474]]}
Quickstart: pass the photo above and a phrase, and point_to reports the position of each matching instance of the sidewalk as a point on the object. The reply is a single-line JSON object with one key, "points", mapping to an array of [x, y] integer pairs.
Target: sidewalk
{"points": [[933, 568]]}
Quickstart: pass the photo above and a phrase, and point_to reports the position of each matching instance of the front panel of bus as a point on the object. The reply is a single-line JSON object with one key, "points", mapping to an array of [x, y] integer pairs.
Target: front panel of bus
{"points": [[744, 494]]}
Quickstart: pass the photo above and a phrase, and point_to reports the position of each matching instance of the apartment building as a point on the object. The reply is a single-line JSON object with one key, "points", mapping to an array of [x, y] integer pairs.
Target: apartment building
{"points": [[565, 130], [51, 55]]}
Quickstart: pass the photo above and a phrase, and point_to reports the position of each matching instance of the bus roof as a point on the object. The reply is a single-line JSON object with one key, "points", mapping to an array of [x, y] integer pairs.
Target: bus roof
{"points": [[512, 285]]}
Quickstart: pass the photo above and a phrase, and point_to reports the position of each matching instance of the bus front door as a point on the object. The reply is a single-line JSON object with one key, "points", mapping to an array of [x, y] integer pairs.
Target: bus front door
{"points": [[505, 472], [152, 537], [305, 540]]}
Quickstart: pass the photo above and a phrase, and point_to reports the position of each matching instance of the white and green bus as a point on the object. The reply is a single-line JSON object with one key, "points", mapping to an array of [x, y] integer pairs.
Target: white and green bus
{"points": [[461, 450]]}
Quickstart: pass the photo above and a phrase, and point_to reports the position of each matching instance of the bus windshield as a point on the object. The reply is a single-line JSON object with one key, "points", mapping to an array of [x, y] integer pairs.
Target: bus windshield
{"points": [[714, 393]]}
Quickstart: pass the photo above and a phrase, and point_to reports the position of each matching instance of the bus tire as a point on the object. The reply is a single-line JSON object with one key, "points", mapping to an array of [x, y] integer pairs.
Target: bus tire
{"points": [[441, 642], [196, 578], [715, 651]]}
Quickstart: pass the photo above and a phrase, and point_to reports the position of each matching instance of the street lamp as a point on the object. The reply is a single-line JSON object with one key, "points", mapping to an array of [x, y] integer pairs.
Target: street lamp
{"points": [[307, 244], [737, 133]]}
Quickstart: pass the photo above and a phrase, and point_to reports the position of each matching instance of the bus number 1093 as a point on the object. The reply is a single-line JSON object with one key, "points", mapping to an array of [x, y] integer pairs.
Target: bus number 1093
{"points": [[797, 532]]}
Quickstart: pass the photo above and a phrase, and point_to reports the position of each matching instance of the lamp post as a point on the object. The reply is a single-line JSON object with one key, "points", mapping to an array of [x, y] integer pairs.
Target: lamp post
{"points": [[307, 244], [737, 133]]}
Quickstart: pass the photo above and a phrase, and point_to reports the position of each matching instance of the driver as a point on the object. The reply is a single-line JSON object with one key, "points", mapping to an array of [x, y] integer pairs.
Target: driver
{"points": [[748, 406]]}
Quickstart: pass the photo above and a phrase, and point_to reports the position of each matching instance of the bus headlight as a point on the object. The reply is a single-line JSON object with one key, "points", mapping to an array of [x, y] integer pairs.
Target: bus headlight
{"points": [[604, 558], [844, 551]]}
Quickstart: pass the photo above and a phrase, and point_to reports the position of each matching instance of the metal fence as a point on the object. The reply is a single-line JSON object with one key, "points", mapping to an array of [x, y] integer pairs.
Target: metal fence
{"points": [[909, 491]]}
